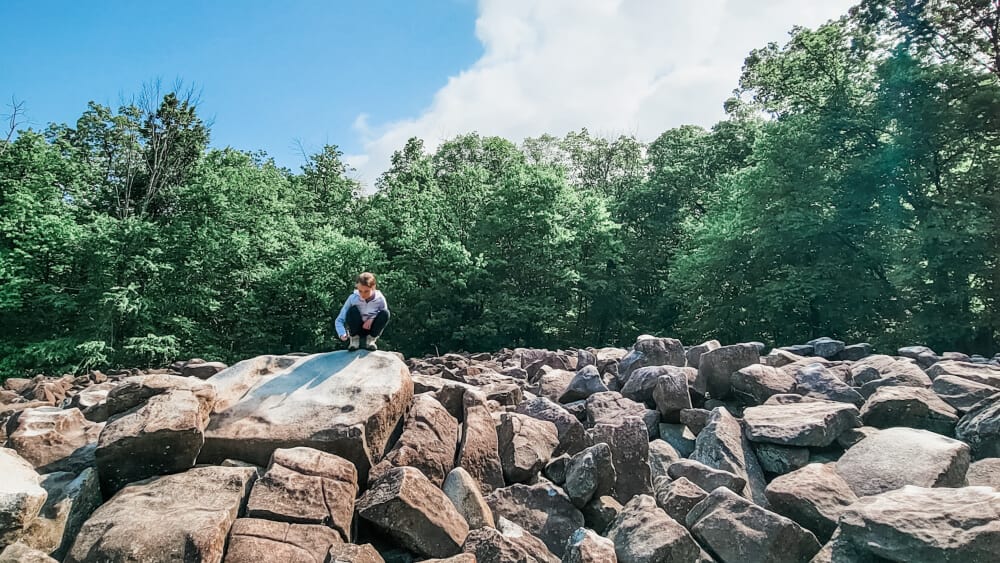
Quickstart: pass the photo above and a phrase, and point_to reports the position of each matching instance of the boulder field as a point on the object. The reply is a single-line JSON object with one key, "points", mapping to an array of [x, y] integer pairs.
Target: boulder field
{"points": [[661, 452]]}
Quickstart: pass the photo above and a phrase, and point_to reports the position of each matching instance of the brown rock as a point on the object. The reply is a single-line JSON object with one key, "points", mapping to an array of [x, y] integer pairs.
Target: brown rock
{"points": [[71, 500], [48, 436], [429, 440], [203, 503], [306, 486], [253, 540], [629, 445], [585, 546], [643, 532], [526, 445], [813, 496], [736, 530], [723, 445], [543, 510], [479, 451], [350, 553], [464, 493], [408, 507], [163, 435]]}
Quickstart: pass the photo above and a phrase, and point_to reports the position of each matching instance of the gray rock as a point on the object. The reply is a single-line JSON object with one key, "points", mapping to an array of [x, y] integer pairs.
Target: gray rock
{"points": [[555, 471], [572, 436], [670, 393], [71, 500], [611, 408], [818, 382], [813, 496], [716, 368], [585, 383], [508, 543], [880, 370], [20, 553], [852, 436], [651, 351], [253, 539], [600, 512], [813, 423], [755, 383], [526, 445], [985, 473], [695, 419], [779, 460], [543, 510], [643, 533], [914, 407], [661, 456], [552, 384], [590, 473], [922, 524], [678, 497], [679, 437], [961, 394], [826, 347], [694, 353], [629, 454], [896, 457], [479, 448], [306, 486], [922, 354], [980, 428], [429, 442], [464, 493], [706, 477], [723, 445], [585, 546], [855, 352], [987, 374], [736, 530], [21, 495], [54, 439], [161, 431]]}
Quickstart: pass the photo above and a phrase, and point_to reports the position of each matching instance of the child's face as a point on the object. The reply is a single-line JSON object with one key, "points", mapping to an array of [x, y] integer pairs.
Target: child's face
{"points": [[365, 291]]}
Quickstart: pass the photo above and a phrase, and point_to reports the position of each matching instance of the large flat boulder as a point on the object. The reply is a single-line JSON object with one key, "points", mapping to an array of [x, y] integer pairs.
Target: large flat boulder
{"points": [[986, 374], [809, 423], [180, 517], [344, 403], [896, 457], [924, 524], [914, 407]]}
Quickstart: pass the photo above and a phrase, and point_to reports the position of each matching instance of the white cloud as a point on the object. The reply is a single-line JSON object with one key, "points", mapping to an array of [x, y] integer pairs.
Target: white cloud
{"points": [[613, 66]]}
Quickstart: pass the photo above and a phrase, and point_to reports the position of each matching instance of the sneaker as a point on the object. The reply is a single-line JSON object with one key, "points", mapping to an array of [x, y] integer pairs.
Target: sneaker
{"points": [[370, 343], [355, 342]]}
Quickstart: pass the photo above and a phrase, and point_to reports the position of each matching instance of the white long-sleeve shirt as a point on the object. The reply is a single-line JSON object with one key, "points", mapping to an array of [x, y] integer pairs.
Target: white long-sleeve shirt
{"points": [[369, 309]]}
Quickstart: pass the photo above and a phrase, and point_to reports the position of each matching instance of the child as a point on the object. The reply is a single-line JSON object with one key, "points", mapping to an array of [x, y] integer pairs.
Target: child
{"points": [[365, 312]]}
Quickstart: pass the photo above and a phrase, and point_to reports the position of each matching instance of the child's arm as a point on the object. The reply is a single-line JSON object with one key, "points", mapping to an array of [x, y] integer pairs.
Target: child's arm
{"points": [[342, 317]]}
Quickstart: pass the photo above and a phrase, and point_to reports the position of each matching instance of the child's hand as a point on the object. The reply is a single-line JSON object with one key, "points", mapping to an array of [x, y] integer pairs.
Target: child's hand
{"points": [[343, 337], [368, 324]]}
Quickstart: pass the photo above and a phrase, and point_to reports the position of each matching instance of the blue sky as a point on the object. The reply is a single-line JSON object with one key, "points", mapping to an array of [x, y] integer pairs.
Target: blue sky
{"points": [[269, 72], [367, 75]]}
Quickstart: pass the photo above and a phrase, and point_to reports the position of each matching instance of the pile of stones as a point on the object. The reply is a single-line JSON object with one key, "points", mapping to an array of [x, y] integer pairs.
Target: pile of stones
{"points": [[660, 452]]}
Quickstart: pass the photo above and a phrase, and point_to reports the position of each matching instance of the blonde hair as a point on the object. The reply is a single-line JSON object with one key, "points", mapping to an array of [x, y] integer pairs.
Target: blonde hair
{"points": [[367, 279]]}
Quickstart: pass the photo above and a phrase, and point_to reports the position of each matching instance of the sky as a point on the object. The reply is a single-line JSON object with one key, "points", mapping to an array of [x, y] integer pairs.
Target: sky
{"points": [[287, 77]]}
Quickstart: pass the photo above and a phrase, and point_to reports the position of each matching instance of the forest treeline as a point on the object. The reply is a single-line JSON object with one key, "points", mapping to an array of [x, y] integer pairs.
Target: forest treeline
{"points": [[853, 190]]}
